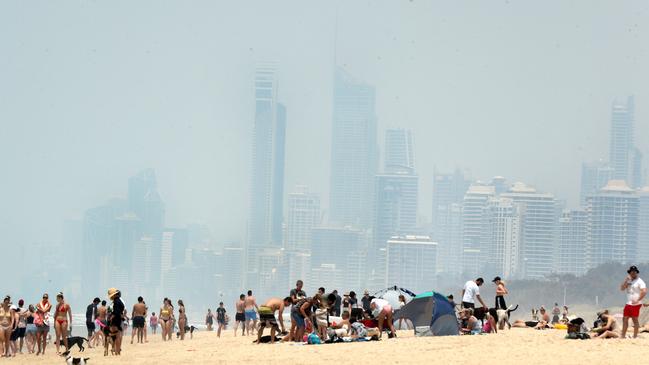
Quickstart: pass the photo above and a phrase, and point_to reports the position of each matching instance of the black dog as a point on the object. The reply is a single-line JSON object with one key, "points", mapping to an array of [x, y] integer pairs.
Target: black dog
{"points": [[74, 341], [189, 329]]}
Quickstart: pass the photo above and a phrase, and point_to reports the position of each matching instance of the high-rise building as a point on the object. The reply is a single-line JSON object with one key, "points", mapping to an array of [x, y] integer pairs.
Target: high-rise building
{"points": [[267, 178], [643, 225], [144, 200], [411, 262], [594, 176], [473, 211], [612, 224], [303, 216], [354, 152], [500, 246], [538, 230], [637, 172], [399, 153], [573, 242], [448, 194], [332, 253], [621, 148]]}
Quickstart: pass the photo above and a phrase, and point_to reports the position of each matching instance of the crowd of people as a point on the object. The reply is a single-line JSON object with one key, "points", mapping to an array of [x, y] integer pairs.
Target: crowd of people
{"points": [[327, 316]]}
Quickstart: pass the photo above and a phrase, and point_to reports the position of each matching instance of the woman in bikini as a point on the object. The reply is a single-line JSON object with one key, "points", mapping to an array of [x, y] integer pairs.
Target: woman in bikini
{"points": [[62, 318], [182, 319], [166, 317], [42, 322], [101, 322], [7, 319]]}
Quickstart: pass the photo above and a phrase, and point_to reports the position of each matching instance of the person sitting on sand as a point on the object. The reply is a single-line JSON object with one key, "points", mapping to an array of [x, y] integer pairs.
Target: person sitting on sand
{"points": [[471, 325], [544, 319], [340, 329], [490, 322], [609, 329], [267, 317]]}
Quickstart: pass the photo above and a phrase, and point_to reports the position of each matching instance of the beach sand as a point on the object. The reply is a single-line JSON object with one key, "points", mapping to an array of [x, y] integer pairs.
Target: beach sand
{"points": [[516, 346]]}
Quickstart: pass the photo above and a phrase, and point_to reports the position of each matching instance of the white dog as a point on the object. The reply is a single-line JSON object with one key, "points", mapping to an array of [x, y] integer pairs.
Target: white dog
{"points": [[76, 360], [503, 316]]}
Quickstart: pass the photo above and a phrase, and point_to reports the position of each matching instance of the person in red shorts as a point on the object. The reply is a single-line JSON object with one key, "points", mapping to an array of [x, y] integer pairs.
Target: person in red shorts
{"points": [[635, 289]]}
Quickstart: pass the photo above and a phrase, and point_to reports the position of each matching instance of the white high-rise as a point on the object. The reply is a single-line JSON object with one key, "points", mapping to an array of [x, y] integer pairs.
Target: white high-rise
{"points": [[303, 215], [473, 210], [538, 230], [411, 262], [612, 224], [501, 240], [621, 147], [573, 242]]}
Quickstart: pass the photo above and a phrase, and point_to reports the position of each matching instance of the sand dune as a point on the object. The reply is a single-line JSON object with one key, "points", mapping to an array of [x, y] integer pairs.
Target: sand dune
{"points": [[518, 346]]}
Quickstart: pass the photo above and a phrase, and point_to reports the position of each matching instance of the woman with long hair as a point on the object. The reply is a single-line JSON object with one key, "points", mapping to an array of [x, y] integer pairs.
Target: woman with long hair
{"points": [[62, 320], [30, 329], [7, 319], [182, 318], [166, 319], [42, 322]]}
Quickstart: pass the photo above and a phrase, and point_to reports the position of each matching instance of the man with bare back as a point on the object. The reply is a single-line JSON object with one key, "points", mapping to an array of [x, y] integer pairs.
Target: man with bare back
{"points": [[251, 313], [138, 315]]}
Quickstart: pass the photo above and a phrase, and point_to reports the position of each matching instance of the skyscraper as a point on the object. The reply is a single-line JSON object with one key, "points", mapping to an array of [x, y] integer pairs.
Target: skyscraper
{"points": [[643, 225], [411, 262], [538, 230], [622, 139], [473, 210], [448, 194], [144, 200], [612, 224], [594, 176], [399, 153], [303, 216], [267, 178], [573, 242], [354, 152], [500, 246]]}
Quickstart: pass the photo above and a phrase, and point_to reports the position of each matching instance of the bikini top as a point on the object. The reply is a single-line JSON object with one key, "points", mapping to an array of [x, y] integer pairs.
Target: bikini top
{"points": [[164, 312], [62, 308], [5, 313]]}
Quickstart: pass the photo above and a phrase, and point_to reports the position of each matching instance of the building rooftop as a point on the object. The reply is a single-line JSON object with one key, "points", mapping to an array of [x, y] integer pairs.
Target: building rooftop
{"points": [[617, 186]]}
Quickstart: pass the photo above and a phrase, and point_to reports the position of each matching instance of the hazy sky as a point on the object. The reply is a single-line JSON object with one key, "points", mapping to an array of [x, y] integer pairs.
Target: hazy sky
{"points": [[91, 92]]}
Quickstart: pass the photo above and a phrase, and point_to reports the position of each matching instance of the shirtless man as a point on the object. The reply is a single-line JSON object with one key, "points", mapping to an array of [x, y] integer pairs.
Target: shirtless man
{"points": [[267, 316], [138, 314], [240, 317], [608, 330], [250, 313]]}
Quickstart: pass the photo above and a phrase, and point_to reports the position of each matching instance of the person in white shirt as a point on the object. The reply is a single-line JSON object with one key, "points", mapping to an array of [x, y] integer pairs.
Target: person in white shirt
{"points": [[471, 292], [382, 310], [636, 290]]}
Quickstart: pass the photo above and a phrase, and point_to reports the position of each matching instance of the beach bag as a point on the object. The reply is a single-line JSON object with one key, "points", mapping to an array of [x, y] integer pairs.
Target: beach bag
{"points": [[313, 339]]}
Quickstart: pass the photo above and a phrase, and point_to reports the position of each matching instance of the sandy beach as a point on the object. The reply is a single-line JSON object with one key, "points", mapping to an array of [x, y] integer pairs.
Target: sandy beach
{"points": [[516, 346]]}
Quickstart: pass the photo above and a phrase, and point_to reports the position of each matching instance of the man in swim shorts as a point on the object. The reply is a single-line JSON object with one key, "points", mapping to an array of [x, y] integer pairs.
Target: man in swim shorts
{"points": [[138, 314], [251, 314], [636, 290], [267, 316], [240, 317]]}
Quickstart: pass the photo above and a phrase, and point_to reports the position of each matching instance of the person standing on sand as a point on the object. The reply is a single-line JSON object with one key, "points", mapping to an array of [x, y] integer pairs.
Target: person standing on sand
{"points": [[62, 321], [250, 313], [42, 322], [139, 320], [298, 293], [209, 319], [636, 290], [556, 311], [471, 292], [153, 322], [91, 315], [182, 319], [220, 319], [117, 318], [240, 317], [101, 322], [501, 291], [337, 303]]}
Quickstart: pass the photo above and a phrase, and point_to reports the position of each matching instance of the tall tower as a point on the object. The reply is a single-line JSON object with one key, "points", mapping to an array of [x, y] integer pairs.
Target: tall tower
{"points": [[399, 154], [621, 153], [354, 153], [267, 177]]}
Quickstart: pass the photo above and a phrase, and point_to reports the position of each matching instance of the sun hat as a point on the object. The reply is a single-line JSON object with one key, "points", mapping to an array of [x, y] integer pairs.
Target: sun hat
{"points": [[112, 292]]}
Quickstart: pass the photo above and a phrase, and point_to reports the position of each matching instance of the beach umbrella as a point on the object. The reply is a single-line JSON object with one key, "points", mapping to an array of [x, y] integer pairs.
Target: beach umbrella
{"points": [[392, 293], [431, 315]]}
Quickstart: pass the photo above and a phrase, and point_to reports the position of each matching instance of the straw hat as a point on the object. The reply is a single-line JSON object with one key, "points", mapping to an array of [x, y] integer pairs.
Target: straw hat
{"points": [[112, 292]]}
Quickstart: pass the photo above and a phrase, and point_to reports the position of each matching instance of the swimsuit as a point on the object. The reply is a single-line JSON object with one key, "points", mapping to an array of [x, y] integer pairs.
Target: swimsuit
{"points": [[267, 317], [62, 309], [138, 322], [251, 315]]}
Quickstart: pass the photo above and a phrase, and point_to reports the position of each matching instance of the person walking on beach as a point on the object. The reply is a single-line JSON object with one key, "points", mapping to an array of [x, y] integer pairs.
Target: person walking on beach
{"points": [[91, 315], [471, 293], [636, 290], [182, 319], [62, 321], [240, 317], [220, 319], [501, 291], [153, 323], [250, 312], [42, 322], [101, 322], [139, 320], [117, 318], [6, 325], [209, 319], [166, 319]]}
